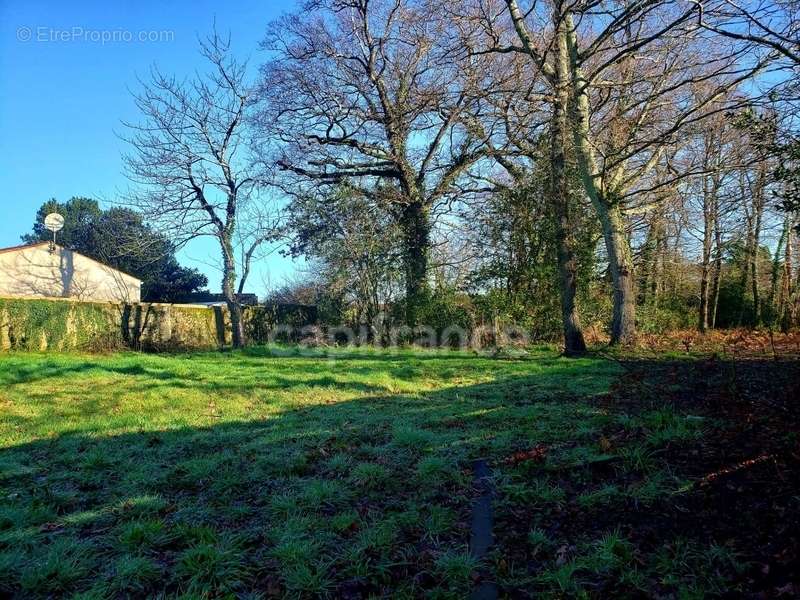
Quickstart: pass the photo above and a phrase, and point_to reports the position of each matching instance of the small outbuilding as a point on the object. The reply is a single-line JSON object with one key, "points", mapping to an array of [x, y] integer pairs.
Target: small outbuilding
{"points": [[46, 270]]}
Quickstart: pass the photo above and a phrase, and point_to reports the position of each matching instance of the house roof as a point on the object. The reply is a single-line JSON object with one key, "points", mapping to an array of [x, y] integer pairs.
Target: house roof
{"points": [[21, 247], [37, 244]]}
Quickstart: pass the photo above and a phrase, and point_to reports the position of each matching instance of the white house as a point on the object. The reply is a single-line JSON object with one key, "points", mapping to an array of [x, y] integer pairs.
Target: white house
{"points": [[46, 271]]}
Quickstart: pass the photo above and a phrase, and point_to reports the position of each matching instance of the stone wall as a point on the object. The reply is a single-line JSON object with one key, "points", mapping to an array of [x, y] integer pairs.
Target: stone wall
{"points": [[66, 324]]}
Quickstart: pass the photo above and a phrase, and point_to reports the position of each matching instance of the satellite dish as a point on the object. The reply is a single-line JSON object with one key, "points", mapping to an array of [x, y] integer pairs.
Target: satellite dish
{"points": [[54, 222]]}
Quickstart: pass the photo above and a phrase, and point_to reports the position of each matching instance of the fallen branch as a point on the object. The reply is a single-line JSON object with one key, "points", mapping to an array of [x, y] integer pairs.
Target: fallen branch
{"points": [[734, 468]]}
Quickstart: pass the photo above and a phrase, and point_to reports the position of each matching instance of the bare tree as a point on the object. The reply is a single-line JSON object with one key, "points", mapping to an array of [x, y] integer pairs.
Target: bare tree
{"points": [[369, 92], [787, 302], [535, 103], [711, 252], [190, 164], [639, 74], [773, 25], [717, 156]]}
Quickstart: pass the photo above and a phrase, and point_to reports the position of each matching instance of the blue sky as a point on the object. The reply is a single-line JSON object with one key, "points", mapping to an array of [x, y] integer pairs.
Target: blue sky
{"points": [[64, 91]]}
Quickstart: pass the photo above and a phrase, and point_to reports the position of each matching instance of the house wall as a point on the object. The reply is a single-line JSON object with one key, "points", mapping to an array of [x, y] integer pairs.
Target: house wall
{"points": [[36, 272]]}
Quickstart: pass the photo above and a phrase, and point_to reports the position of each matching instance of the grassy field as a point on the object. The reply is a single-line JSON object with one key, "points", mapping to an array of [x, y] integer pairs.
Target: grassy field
{"points": [[267, 473]]}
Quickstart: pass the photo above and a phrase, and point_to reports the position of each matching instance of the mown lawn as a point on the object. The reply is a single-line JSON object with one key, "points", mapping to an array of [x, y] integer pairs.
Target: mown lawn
{"points": [[269, 473]]}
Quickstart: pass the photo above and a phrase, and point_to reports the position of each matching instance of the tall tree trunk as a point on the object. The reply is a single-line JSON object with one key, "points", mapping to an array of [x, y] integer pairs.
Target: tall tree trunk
{"points": [[748, 249], [649, 260], [415, 223], [609, 211], [775, 301], [714, 295], [229, 292], [654, 263], [759, 211], [662, 250], [717, 272], [705, 268], [750, 271], [574, 343], [794, 299], [703, 313], [623, 323], [786, 301]]}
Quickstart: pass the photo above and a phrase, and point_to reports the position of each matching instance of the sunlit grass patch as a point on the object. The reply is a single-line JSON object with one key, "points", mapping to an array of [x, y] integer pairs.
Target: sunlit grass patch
{"points": [[265, 471]]}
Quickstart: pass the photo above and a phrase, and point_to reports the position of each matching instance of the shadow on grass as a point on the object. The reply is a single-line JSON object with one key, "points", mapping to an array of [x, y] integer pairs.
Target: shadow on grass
{"points": [[396, 465], [360, 496]]}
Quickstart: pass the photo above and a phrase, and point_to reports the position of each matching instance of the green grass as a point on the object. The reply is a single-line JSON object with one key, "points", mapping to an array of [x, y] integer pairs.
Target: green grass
{"points": [[294, 474]]}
